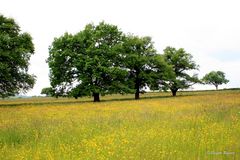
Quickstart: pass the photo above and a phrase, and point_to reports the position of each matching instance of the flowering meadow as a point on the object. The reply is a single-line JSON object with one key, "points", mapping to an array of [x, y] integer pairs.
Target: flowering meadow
{"points": [[193, 125]]}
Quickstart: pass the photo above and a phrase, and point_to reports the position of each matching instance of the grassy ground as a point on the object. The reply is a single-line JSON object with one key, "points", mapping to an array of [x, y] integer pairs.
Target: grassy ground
{"points": [[194, 125]]}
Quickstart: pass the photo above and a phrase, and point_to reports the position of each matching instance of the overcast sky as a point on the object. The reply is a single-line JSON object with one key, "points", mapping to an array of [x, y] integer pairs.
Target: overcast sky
{"points": [[208, 29]]}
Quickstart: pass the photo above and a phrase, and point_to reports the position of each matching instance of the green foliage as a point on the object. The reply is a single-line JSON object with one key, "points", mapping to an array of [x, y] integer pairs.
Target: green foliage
{"points": [[87, 63], [48, 91], [16, 49], [181, 62], [215, 78], [142, 62]]}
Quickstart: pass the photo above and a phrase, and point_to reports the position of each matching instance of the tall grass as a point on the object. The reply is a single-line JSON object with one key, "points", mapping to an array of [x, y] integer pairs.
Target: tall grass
{"points": [[203, 125]]}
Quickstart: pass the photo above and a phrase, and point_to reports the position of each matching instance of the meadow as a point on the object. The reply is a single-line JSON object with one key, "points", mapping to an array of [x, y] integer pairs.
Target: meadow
{"points": [[193, 125]]}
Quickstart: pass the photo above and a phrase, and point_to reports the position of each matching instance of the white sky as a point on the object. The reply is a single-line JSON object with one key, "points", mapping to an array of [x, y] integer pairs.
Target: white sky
{"points": [[208, 29]]}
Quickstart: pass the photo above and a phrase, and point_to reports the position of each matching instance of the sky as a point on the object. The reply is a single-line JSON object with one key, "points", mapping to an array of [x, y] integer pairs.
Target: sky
{"points": [[208, 29]]}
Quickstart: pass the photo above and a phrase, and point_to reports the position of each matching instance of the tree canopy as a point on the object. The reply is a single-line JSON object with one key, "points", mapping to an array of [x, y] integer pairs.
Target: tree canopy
{"points": [[16, 49], [215, 78], [181, 62], [87, 63]]}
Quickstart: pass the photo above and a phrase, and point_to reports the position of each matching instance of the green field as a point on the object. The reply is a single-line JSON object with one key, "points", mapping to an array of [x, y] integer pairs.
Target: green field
{"points": [[193, 125]]}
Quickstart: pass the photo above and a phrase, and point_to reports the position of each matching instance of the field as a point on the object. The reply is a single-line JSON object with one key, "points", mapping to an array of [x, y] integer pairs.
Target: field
{"points": [[193, 125]]}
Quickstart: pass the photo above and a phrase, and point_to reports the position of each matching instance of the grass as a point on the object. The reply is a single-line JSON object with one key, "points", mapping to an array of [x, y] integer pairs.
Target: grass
{"points": [[194, 125]]}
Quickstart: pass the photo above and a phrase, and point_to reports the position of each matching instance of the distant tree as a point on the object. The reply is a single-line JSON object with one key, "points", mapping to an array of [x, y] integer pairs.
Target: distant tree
{"points": [[87, 63], [181, 62], [215, 78], [141, 62], [16, 49], [48, 91]]}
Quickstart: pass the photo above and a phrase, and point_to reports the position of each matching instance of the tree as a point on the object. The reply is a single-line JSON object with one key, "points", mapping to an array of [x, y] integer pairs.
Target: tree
{"points": [[48, 91], [87, 63], [16, 49], [215, 78], [141, 62], [181, 62]]}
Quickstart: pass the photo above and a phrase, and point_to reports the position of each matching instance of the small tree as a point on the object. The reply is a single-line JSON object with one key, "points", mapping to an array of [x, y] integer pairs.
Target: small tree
{"points": [[48, 91], [16, 49], [215, 78], [181, 62]]}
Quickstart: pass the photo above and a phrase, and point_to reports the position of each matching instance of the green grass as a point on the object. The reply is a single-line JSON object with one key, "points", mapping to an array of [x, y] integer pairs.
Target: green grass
{"points": [[193, 125]]}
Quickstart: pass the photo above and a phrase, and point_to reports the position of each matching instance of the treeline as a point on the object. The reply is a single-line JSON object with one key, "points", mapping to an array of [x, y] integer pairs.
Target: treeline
{"points": [[98, 60], [103, 60]]}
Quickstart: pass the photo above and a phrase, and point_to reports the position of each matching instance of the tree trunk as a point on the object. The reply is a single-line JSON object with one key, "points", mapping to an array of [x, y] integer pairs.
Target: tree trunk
{"points": [[174, 92], [137, 87], [216, 87], [137, 94], [96, 97]]}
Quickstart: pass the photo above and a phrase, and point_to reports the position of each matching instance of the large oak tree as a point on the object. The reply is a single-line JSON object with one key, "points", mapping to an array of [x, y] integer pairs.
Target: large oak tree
{"points": [[16, 49], [87, 63]]}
